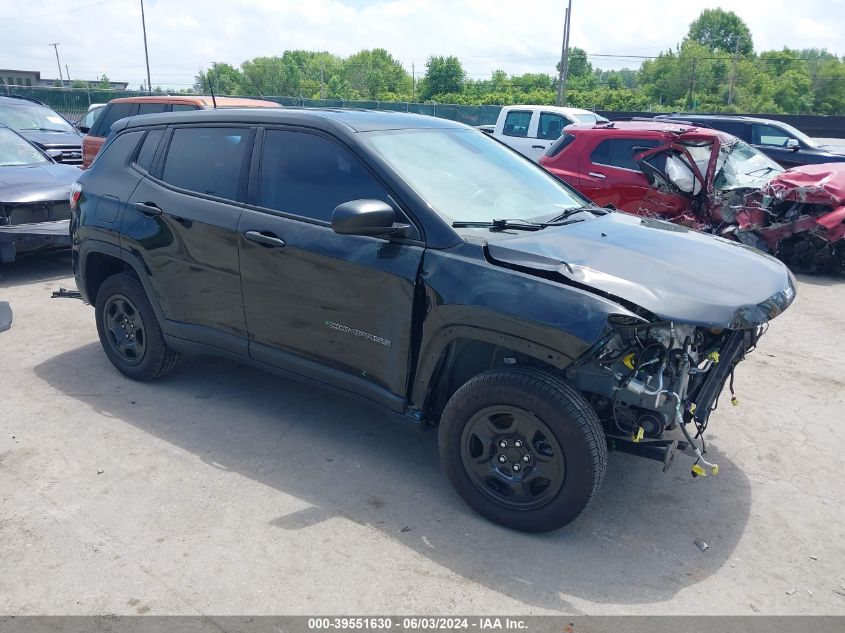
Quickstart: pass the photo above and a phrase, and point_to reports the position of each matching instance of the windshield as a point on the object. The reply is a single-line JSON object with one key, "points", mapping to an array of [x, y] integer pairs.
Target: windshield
{"points": [[27, 117], [589, 117], [739, 165], [16, 151], [465, 175]]}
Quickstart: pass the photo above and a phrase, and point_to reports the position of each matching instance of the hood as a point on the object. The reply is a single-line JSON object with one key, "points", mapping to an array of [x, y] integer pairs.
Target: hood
{"points": [[820, 184], [53, 139], [20, 184], [673, 272]]}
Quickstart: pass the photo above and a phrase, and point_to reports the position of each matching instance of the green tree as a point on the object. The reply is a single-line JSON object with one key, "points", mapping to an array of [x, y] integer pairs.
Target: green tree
{"points": [[719, 30], [371, 73], [104, 84], [79, 84], [442, 76], [223, 78]]}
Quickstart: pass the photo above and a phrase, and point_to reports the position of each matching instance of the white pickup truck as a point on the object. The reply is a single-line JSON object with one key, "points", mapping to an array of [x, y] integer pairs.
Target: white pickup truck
{"points": [[531, 129]]}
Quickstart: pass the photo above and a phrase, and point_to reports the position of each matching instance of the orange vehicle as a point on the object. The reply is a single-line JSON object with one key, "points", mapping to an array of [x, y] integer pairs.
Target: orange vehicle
{"points": [[131, 106]]}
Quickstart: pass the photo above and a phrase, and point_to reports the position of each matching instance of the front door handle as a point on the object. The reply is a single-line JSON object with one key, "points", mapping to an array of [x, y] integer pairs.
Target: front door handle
{"points": [[147, 208], [538, 147], [596, 174], [265, 240]]}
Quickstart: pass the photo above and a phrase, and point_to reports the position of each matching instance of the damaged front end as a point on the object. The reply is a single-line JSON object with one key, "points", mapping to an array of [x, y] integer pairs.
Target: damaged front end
{"points": [[645, 379], [801, 217], [31, 226]]}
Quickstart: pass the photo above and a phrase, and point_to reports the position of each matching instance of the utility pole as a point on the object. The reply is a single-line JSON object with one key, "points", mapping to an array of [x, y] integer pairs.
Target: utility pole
{"points": [[413, 84], [691, 85], [563, 74], [67, 74], [146, 54], [733, 73], [55, 46]]}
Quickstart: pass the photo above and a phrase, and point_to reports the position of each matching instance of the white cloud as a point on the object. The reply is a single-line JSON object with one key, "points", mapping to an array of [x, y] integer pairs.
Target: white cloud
{"points": [[515, 35]]}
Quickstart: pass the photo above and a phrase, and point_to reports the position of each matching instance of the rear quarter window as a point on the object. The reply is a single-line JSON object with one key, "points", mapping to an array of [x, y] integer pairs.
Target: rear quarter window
{"points": [[118, 151], [559, 145]]}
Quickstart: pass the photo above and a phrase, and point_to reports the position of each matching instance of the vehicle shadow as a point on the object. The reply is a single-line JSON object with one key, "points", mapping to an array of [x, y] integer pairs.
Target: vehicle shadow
{"points": [[36, 267], [634, 544]]}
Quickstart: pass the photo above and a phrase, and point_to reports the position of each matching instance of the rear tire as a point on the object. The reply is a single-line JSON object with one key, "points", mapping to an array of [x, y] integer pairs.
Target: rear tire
{"points": [[523, 448], [129, 331]]}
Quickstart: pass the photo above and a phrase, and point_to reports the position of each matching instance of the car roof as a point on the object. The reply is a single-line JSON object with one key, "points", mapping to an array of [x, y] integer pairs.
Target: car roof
{"points": [[353, 120], [646, 127], [200, 100], [720, 117]]}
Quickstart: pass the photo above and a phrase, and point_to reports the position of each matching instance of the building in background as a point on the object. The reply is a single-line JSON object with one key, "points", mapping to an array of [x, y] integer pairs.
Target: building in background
{"points": [[10, 78]]}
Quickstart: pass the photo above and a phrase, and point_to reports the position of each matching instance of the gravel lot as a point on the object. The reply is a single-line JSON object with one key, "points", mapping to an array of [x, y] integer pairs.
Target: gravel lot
{"points": [[223, 490]]}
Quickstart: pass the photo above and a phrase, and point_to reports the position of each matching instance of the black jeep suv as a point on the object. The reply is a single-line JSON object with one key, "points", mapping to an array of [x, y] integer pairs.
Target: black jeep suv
{"points": [[378, 254]]}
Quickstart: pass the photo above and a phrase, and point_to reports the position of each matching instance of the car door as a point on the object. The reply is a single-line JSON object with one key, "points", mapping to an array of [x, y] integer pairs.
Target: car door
{"points": [[518, 127], [182, 220], [609, 174], [335, 308], [545, 131], [777, 144]]}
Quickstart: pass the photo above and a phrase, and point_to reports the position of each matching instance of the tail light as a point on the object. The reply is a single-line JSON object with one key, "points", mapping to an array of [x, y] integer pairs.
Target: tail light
{"points": [[75, 195]]}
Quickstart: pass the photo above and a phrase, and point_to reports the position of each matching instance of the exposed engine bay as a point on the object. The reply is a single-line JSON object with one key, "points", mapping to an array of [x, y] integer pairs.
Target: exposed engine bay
{"points": [[645, 379]]}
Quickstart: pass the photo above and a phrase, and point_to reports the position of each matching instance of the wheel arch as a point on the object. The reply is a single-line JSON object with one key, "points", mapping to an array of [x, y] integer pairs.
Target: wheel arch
{"points": [[456, 353]]}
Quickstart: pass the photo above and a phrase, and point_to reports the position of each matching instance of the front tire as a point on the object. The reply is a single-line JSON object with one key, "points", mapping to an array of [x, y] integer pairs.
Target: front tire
{"points": [[129, 331], [523, 448]]}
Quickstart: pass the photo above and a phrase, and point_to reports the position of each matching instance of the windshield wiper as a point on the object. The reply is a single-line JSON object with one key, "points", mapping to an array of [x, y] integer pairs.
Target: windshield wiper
{"points": [[40, 129], [558, 220], [499, 225], [765, 170]]}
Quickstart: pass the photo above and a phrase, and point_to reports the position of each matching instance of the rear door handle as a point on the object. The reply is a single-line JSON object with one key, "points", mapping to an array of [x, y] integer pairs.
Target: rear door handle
{"points": [[147, 208], [265, 240], [538, 147], [596, 174]]}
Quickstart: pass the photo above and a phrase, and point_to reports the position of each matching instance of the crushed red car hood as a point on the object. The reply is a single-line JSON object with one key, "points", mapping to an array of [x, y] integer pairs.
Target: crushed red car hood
{"points": [[819, 184]]}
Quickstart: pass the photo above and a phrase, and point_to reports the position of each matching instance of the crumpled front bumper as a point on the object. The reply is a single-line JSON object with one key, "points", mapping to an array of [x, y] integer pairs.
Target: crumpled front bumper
{"points": [[23, 238]]}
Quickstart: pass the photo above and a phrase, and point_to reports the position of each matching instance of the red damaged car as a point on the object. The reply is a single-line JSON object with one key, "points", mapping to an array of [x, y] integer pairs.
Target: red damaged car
{"points": [[709, 180]]}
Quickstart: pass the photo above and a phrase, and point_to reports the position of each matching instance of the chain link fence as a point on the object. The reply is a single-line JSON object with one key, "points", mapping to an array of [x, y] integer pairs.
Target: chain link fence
{"points": [[74, 103]]}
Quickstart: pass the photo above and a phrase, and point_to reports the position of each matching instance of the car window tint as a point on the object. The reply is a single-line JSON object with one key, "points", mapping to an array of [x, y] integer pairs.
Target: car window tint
{"points": [[551, 125], [731, 127], [112, 113], [769, 135], [151, 108], [148, 149], [309, 175], [623, 150], [182, 107], [117, 152], [206, 160], [559, 145], [601, 154], [516, 123]]}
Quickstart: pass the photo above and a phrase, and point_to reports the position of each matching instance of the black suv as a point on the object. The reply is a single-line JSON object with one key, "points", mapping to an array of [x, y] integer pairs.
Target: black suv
{"points": [[375, 253], [43, 127], [778, 140]]}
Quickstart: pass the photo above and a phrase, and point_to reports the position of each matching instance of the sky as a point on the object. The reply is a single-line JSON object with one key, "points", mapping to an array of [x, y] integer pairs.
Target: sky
{"points": [[184, 36]]}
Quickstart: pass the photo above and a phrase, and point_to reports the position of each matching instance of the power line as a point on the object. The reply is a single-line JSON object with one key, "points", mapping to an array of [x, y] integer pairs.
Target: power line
{"points": [[47, 15]]}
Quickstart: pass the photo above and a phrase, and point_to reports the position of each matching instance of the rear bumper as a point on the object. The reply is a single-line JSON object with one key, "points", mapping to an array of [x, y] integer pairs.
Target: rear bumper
{"points": [[24, 238]]}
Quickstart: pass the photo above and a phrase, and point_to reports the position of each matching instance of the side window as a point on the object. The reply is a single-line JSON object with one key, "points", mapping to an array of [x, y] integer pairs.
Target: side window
{"points": [[559, 145], [206, 160], [551, 126], [769, 135], [182, 107], [112, 113], [623, 150], [601, 155], [732, 127], [119, 150], [151, 108], [148, 149], [516, 123], [309, 175]]}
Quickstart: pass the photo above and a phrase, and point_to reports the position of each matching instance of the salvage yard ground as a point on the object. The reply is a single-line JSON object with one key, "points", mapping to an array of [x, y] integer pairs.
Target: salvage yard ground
{"points": [[224, 490]]}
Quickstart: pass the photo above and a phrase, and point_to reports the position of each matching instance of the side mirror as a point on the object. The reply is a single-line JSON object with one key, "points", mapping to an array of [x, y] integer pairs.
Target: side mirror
{"points": [[55, 154], [82, 128], [793, 144], [366, 217]]}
